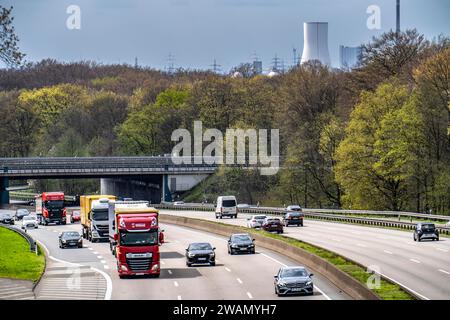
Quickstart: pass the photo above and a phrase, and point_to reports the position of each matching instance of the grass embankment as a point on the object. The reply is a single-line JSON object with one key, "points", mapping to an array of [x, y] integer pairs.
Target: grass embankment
{"points": [[16, 260], [386, 290]]}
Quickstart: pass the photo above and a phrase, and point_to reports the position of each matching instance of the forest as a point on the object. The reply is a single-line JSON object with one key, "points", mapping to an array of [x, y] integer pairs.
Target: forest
{"points": [[375, 137]]}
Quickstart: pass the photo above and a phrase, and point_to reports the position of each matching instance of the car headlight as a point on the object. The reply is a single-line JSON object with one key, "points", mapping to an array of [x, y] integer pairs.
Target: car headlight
{"points": [[64, 241], [282, 284], [79, 240], [234, 246], [212, 254], [251, 245], [155, 267], [309, 283], [191, 255]]}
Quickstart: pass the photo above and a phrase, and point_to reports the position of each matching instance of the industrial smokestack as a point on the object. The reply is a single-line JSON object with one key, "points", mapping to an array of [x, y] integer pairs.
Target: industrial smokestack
{"points": [[315, 45], [398, 16]]}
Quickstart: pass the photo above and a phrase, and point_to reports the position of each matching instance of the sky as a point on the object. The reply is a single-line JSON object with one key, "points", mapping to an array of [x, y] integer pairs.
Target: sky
{"points": [[195, 32]]}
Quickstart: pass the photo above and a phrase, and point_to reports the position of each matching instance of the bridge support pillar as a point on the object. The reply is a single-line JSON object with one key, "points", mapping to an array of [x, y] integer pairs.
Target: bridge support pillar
{"points": [[4, 193], [166, 194]]}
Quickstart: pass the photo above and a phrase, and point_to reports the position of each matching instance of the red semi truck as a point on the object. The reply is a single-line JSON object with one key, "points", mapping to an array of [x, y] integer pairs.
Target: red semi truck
{"points": [[135, 238], [50, 208]]}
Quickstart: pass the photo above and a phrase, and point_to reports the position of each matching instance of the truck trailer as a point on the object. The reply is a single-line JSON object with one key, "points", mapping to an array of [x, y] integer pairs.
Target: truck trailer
{"points": [[135, 238], [50, 208], [94, 216]]}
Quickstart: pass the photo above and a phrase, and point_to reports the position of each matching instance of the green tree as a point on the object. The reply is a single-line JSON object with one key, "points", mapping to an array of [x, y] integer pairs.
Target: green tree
{"points": [[9, 50]]}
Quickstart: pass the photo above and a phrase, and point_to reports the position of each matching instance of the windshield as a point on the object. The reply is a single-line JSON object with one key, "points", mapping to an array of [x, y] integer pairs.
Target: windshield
{"points": [[294, 208], [260, 217], [241, 237], [70, 234], [200, 246], [22, 212], [132, 239], [294, 215], [100, 215], [28, 218], [428, 227], [229, 203], [54, 204], [273, 220], [292, 273], [5, 215]]}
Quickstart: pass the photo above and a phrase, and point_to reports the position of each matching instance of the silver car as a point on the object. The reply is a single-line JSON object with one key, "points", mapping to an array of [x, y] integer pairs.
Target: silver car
{"points": [[256, 221], [29, 222]]}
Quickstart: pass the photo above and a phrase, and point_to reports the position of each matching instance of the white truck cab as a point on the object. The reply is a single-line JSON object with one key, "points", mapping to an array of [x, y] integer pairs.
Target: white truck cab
{"points": [[226, 206]]}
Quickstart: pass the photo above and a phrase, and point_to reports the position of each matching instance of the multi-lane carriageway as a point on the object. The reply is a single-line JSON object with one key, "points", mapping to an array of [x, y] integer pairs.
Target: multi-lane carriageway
{"points": [[423, 268], [90, 272]]}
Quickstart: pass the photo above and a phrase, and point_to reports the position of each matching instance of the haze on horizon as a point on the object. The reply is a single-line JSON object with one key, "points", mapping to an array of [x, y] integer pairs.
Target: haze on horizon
{"points": [[196, 32]]}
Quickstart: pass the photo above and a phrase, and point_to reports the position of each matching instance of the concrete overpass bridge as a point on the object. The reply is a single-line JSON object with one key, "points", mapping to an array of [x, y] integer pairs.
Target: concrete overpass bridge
{"points": [[150, 178]]}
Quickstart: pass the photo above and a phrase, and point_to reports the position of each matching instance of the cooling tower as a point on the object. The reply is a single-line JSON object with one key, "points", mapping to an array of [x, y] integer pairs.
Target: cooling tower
{"points": [[315, 45]]}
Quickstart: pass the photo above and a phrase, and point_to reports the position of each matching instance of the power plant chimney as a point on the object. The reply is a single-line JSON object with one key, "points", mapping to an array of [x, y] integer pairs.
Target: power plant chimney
{"points": [[398, 16], [315, 45]]}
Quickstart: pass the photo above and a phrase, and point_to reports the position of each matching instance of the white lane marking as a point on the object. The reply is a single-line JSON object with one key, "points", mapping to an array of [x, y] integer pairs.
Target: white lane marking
{"points": [[103, 261], [227, 269], [175, 284], [217, 261], [109, 287], [249, 295], [402, 285], [355, 232], [361, 245], [169, 271], [100, 257], [387, 251], [55, 231], [239, 280], [284, 265], [106, 266], [95, 252], [443, 271], [85, 246], [179, 297], [90, 248], [414, 260], [162, 262], [443, 250]]}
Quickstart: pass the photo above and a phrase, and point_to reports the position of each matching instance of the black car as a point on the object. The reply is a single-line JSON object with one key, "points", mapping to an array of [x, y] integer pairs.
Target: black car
{"points": [[425, 231], [200, 253], [293, 280], [241, 242], [293, 218], [20, 213], [6, 218], [70, 239]]}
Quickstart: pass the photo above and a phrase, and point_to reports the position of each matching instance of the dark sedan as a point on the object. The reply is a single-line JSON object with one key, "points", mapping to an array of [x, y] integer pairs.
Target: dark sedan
{"points": [[241, 243], [20, 213], [200, 253], [70, 239], [293, 280], [6, 218], [425, 231], [293, 218], [273, 225]]}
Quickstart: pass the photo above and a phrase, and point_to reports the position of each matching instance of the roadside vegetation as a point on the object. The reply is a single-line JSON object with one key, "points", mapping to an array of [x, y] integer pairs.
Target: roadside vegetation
{"points": [[375, 137], [16, 260]]}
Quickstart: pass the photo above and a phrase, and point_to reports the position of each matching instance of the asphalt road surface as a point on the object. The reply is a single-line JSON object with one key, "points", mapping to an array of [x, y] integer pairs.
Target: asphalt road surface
{"points": [[423, 267], [240, 277]]}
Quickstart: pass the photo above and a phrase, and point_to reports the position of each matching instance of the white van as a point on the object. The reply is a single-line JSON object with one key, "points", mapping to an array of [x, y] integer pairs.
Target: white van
{"points": [[226, 206]]}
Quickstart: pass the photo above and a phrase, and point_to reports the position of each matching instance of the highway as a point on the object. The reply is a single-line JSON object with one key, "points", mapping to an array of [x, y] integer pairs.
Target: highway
{"points": [[237, 277], [422, 267]]}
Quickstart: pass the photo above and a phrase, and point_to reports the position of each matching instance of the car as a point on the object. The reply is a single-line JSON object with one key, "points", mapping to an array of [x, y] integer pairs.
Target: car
{"points": [[293, 280], [6, 218], [200, 253], [272, 225], [243, 206], [294, 207], [29, 222], [241, 243], [226, 206], [178, 203], [70, 239], [20, 213], [293, 218], [75, 216], [448, 224], [425, 231], [256, 221]]}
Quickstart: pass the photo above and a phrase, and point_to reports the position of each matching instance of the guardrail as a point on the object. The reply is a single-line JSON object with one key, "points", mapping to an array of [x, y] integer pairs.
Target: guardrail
{"points": [[311, 215], [33, 246]]}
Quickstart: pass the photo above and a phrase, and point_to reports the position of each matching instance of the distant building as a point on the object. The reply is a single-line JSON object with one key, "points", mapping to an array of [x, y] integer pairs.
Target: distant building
{"points": [[257, 67], [315, 45], [349, 57]]}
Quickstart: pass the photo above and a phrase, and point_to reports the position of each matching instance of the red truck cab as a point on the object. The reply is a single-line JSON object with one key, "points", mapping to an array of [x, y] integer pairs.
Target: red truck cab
{"points": [[136, 241], [50, 208]]}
